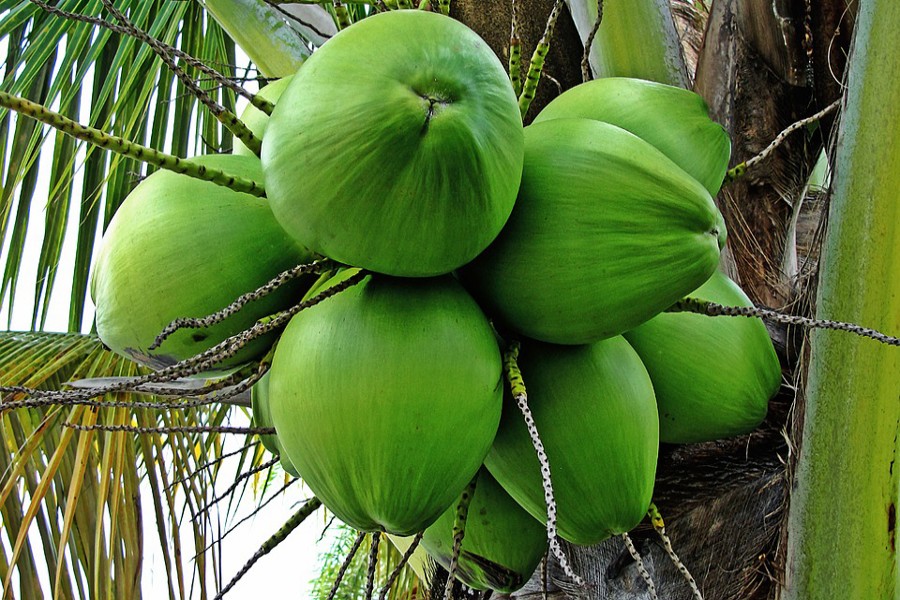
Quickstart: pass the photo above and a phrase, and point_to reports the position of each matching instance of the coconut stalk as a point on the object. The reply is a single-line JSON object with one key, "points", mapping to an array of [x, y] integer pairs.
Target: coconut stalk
{"points": [[636, 38], [841, 526]]}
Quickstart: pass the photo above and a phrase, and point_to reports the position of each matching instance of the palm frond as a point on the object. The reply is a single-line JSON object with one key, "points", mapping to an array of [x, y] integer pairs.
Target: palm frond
{"points": [[115, 84], [70, 500]]}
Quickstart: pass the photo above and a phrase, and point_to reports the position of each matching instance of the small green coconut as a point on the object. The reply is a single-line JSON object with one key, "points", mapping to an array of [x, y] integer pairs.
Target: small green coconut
{"points": [[502, 545], [386, 398], [255, 119], [262, 417], [674, 120], [713, 376], [595, 412], [606, 233], [182, 247]]}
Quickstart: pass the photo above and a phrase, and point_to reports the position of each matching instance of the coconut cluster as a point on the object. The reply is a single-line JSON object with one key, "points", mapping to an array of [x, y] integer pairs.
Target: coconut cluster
{"points": [[398, 151]]}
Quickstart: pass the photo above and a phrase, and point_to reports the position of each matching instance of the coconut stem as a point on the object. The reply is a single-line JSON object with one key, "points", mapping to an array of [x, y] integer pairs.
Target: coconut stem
{"points": [[586, 57], [741, 169], [444, 7], [345, 565], [257, 101], [515, 51], [459, 532], [703, 307], [126, 148], [174, 429], [545, 566], [307, 509], [222, 114], [660, 526], [210, 464], [237, 481], [403, 560], [201, 399], [517, 387], [373, 562], [206, 359], [651, 588], [536, 65], [259, 508], [217, 317]]}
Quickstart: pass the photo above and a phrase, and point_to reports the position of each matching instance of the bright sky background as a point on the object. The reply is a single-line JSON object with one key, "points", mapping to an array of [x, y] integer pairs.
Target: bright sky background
{"points": [[294, 563]]}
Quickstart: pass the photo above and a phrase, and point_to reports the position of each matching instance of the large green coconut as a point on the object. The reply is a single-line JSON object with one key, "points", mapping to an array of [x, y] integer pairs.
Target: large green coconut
{"points": [[262, 417], [386, 397], [713, 376], [255, 119], [397, 147], [674, 120], [594, 410], [606, 233], [182, 247], [502, 545]]}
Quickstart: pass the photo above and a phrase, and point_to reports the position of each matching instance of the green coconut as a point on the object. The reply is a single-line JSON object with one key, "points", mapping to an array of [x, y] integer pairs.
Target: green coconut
{"points": [[262, 417], [386, 398], [182, 247], [502, 545], [713, 376], [594, 410], [255, 119], [674, 120], [606, 233], [397, 147]]}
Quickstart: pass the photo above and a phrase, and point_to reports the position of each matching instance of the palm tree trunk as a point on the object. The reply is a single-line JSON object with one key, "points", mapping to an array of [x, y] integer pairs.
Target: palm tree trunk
{"points": [[841, 529]]}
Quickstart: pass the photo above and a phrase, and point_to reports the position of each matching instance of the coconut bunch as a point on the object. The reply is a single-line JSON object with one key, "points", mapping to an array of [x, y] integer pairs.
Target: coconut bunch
{"points": [[398, 151]]}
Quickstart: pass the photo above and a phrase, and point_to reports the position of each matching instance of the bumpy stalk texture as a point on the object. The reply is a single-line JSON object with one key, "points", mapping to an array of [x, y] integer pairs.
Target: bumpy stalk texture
{"points": [[126, 148], [517, 387]]}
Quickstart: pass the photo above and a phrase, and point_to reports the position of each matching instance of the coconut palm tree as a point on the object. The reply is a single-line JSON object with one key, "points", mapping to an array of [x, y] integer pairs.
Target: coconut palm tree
{"points": [[769, 513]]}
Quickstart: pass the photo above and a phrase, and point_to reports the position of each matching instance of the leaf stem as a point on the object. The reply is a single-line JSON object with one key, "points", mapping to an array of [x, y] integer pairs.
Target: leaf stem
{"points": [[127, 148]]}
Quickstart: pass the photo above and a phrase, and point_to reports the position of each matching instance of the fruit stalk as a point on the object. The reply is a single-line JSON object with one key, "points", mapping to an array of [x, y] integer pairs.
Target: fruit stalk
{"points": [[515, 51], [240, 302], [659, 525], [517, 388], [536, 66], [127, 148], [345, 565], [712, 309], [307, 509], [373, 562], [589, 42], [260, 103], [459, 532], [651, 587], [222, 114], [403, 561]]}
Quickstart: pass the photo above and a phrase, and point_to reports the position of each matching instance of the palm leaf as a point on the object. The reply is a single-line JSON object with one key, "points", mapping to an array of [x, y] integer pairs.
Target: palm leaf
{"points": [[75, 493], [64, 63]]}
